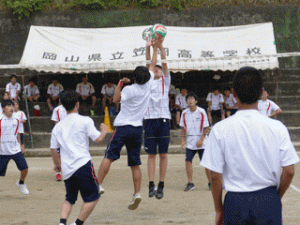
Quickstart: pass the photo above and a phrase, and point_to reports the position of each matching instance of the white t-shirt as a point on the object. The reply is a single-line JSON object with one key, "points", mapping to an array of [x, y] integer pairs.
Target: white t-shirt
{"points": [[71, 135], [230, 101], [55, 90], [134, 103], [59, 113], [9, 129], [108, 91], [194, 124], [20, 115], [172, 90], [266, 107], [31, 91], [13, 89], [1, 110], [85, 89], [159, 101], [249, 150], [181, 101], [215, 100]]}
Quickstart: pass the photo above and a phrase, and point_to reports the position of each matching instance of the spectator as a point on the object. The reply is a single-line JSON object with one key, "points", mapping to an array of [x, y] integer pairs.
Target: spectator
{"points": [[230, 102], [266, 106], [172, 93], [108, 91], [180, 104], [21, 116], [31, 91], [215, 104], [13, 88], [53, 93], [5, 97]]}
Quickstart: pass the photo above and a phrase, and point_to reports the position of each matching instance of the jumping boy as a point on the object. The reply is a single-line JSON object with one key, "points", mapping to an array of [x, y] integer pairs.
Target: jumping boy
{"points": [[10, 144], [21, 116], [195, 127], [72, 135], [215, 104], [268, 107]]}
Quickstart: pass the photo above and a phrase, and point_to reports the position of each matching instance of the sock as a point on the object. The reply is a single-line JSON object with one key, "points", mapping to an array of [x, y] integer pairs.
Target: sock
{"points": [[79, 222], [21, 182], [151, 183], [161, 184], [63, 221]]}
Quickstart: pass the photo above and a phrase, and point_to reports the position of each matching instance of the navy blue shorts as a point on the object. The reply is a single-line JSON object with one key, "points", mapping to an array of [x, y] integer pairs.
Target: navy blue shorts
{"points": [[157, 132], [261, 207], [232, 111], [85, 181], [189, 154], [216, 112], [129, 136], [22, 138], [19, 159]]}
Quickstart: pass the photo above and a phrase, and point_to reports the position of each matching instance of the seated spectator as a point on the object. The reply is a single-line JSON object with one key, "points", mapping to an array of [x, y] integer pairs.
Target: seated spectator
{"points": [[53, 93], [5, 97], [215, 104], [180, 104], [172, 92], [230, 102], [86, 93], [266, 106], [31, 91], [13, 88], [108, 91], [21, 116]]}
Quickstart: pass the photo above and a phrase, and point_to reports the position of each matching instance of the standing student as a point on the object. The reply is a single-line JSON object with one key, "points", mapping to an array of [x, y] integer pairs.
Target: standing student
{"points": [[268, 107], [253, 156], [10, 144], [13, 88], [180, 104], [195, 126], [129, 125], [215, 104], [72, 135], [157, 122], [21, 116]]}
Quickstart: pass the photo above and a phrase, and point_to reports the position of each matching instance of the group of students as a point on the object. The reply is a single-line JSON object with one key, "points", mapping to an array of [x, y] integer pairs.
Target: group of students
{"points": [[245, 152]]}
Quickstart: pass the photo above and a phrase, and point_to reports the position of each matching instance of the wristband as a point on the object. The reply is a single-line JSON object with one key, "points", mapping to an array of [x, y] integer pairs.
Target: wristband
{"points": [[120, 83]]}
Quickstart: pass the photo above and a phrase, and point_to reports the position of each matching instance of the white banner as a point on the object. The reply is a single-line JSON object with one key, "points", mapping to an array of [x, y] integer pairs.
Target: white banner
{"points": [[54, 49]]}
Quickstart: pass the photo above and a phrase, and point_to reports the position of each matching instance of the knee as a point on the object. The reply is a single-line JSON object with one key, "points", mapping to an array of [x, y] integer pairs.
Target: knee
{"points": [[94, 98], [163, 156]]}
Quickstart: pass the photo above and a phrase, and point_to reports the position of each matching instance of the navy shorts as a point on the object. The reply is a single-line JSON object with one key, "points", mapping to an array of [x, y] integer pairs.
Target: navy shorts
{"points": [[19, 159], [129, 136], [232, 111], [85, 181], [22, 138], [157, 132], [216, 112], [262, 207], [189, 155]]}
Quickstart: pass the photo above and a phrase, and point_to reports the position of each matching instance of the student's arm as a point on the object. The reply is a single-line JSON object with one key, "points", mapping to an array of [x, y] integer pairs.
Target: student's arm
{"points": [[103, 130], [183, 138], [163, 57], [148, 56], [155, 46], [17, 95], [216, 184], [19, 140], [200, 142], [278, 111], [54, 154], [286, 179], [117, 94]]}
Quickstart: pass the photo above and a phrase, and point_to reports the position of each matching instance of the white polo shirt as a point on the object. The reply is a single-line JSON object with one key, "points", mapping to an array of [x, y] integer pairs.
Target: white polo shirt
{"points": [[172, 90], [159, 101], [215, 100], [180, 100], [55, 90], [108, 91], [230, 101], [194, 124], [9, 129], [31, 91], [20, 115], [249, 150], [59, 113], [85, 89], [134, 103], [72, 135], [13, 89], [266, 107]]}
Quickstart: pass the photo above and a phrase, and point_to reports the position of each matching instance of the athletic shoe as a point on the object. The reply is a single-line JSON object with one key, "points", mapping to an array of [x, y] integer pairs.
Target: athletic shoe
{"points": [[58, 177], [160, 191], [73, 223], [23, 188], [92, 113], [152, 190], [189, 187], [101, 189], [137, 198], [64, 224], [209, 186]]}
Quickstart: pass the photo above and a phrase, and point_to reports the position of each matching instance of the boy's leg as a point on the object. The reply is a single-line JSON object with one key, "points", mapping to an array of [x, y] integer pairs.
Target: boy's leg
{"points": [[151, 166], [228, 113], [87, 209], [23, 174], [103, 170], [209, 117], [189, 171], [137, 178], [163, 163], [66, 210], [177, 117]]}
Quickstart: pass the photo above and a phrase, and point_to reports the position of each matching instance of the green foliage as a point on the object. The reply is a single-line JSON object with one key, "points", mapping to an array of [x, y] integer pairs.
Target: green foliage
{"points": [[23, 8], [97, 4]]}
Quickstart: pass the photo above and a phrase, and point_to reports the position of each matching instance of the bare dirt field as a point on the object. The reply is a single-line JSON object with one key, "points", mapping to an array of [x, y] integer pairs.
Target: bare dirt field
{"points": [[42, 206]]}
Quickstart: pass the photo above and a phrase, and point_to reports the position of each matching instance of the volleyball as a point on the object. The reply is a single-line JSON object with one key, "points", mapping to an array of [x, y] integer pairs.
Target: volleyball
{"points": [[158, 30]]}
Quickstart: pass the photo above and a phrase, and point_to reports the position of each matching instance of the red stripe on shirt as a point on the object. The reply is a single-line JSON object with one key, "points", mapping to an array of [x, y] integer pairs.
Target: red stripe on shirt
{"points": [[269, 107], [17, 127], [202, 121], [184, 122], [58, 115], [0, 127], [163, 86]]}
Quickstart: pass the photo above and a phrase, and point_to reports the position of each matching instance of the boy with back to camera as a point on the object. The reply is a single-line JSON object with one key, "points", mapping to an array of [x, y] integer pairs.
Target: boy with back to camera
{"points": [[10, 144], [72, 135], [195, 126], [252, 156]]}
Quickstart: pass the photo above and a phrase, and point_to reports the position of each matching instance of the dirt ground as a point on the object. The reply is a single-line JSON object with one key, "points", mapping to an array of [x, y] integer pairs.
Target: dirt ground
{"points": [[42, 206]]}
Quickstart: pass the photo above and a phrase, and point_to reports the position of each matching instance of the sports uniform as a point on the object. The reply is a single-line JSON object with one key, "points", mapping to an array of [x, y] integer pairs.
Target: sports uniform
{"points": [[59, 113], [20, 115], [31, 91], [216, 101], [53, 91], [249, 150], [181, 101], [231, 101], [12, 89], [266, 107], [108, 91]]}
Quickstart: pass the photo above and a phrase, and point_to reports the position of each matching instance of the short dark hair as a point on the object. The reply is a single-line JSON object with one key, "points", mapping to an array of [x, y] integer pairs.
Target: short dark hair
{"points": [[32, 80], [216, 87], [13, 75], [158, 66], [191, 94], [183, 87], [68, 99], [141, 75], [248, 83], [7, 102], [227, 88]]}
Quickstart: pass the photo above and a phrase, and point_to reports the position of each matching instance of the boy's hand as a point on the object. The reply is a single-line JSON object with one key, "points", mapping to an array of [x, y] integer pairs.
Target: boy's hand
{"points": [[182, 145], [199, 143], [103, 128], [125, 80], [149, 41], [57, 168]]}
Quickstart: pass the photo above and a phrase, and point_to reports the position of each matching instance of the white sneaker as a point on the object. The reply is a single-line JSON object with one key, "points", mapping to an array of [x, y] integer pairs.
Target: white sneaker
{"points": [[23, 188], [101, 189], [73, 223], [137, 198]]}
